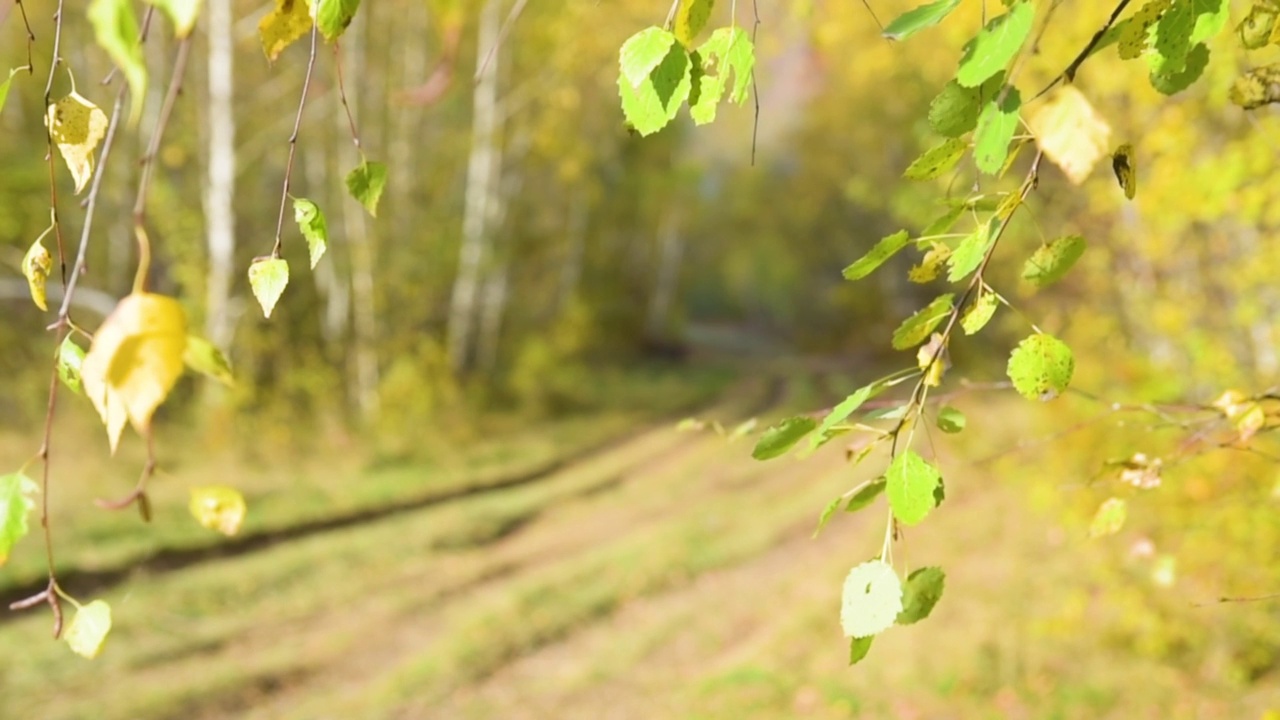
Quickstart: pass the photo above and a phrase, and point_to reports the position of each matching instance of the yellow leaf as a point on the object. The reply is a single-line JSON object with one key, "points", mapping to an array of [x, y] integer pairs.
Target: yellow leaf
{"points": [[290, 20], [930, 264], [1071, 133], [267, 279], [218, 508], [134, 361], [77, 126], [89, 628], [932, 369], [36, 266], [1125, 166]]}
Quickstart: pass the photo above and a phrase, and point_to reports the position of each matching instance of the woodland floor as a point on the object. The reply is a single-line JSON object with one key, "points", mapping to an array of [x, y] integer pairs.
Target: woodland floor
{"points": [[662, 575]]}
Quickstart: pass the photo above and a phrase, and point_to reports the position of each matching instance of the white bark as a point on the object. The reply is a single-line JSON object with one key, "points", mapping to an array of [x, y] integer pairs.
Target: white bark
{"points": [[481, 187], [219, 210]]}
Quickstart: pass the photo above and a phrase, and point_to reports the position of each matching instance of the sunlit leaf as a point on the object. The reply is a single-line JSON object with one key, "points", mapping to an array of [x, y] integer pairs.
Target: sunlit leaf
{"points": [[77, 126], [218, 508], [970, 253], [827, 513], [955, 110], [70, 362], [182, 13], [995, 45], [642, 53], [691, 18], [1123, 163], [16, 502], [877, 255], [979, 312], [1050, 262], [88, 628], [921, 594], [916, 329], [280, 28], [936, 160], [1258, 87], [781, 437], [865, 496], [1256, 29], [1041, 367], [944, 222], [996, 126], [1132, 39], [201, 356], [911, 482], [1171, 82], [1071, 133], [920, 18], [333, 16], [845, 408], [36, 266], [871, 600], [1109, 518], [653, 103], [950, 420], [859, 647], [115, 28], [727, 51], [312, 224], [1211, 18], [366, 182], [931, 264], [268, 278], [4, 87], [932, 360]]}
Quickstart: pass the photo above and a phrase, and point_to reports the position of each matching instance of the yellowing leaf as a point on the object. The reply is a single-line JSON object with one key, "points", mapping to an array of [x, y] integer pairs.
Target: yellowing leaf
{"points": [[201, 356], [88, 629], [16, 491], [979, 312], [116, 29], [290, 20], [691, 18], [932, 369], [1070, 132], [1132, 39], [182, 13], [77, 126], [134, 361], [1109, 518], [218, 508], [268, 278], [1126, 169], [36, 266]]}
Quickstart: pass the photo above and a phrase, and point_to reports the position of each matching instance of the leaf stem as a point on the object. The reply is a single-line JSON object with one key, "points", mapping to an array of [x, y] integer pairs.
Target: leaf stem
{"points": [[342, 95], [293, 143]]}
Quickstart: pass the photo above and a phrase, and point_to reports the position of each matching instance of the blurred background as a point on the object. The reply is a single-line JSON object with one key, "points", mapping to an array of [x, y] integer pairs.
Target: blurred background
{"points": [[457, 435]]}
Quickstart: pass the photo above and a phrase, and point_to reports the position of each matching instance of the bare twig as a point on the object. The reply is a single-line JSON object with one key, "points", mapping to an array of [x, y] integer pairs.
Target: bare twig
{"points": [[142, 37], [506, 27], [53, 176], [31, 37], [755, 91], [1069, 74], [342, 95], [139, 492], [293, 144]]}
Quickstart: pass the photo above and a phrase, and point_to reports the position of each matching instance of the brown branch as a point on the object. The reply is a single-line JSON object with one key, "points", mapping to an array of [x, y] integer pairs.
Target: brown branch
{"points": [[293, 144], [342, 95], [502, 35], [139, 492], [31, 37], [1069, 74], [53, 175], [755, 91]]}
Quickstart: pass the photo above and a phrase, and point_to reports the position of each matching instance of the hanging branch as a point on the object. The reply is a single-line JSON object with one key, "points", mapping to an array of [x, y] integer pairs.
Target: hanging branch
{"points": [[293, 143], [506, 27], [342, 95], [48, 134], [31, 37]]}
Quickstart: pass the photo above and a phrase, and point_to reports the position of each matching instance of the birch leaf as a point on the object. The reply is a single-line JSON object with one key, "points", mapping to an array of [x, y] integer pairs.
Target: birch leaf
{"points": [[77, 126], [290, 20], [1041, 367], [366, 183], [1050, 262], [691, 18], [218, 508], [643, 52], [70, 362], [995, 45], [268, 278], [871, 600], [201, 356], [16, 502], [89, 628], [115, 28], [36, 266], [916, 329], [1071, 133], [312, 224], [182, 13], [4, 87], [1109, 518], [333, 17]]}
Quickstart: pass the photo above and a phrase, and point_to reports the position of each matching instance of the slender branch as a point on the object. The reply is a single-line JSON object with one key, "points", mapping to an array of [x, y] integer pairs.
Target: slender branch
{"points": [[293, 143], [31, 37], [139, 492], [342, 95], [506, 27], [755, 91], [148, 163], [53, 175], [142, 37], [1069, 74]]}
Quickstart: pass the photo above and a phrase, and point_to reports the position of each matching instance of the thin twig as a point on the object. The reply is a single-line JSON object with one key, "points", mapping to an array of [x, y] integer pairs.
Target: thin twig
{"points": [[142, 37], [506, 27], [293, 144], [342, 95], [755, 91], [53, 176], [31, 37], [139, 492], [1069, 74]]}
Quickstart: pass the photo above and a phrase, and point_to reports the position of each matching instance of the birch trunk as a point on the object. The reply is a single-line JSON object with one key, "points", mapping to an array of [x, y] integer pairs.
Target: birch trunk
{"points": [[219, 206]]}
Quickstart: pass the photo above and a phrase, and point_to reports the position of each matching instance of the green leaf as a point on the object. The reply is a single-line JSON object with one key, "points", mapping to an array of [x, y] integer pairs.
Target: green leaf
{"points": [[201, 356], [88, 628], [643, 52], [921, 593], [653, 103], [1109, 518], [70, 358], [4, 87], [950, 420], [1171, 83], [865, 496], [1041, 367], [1171, 37], [727, 51], [943, 223], [858, 648], [366, 183], [913, 21], [115, 28], [846, 408], [311, 222], [979, 312], [781, 437], [911, 482], [915, 329], [691, 18], [936, 160], [996, 127], [1211, 18], [871, 600], [955, 110], [969, 253], [16, 502], [995, 45], [333, 17], [877, 255], [1050, 262], [182, 13], [268, 278], [827, 513]]}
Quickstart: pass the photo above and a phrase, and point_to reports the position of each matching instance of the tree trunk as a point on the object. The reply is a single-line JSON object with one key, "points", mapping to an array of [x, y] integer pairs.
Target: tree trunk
{"points": [[670, 253], [481, 186], [219, 206]]}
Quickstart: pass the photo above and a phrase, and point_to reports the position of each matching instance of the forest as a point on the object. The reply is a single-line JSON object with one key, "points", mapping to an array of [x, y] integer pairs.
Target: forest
{"points": [[510, 359]]}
